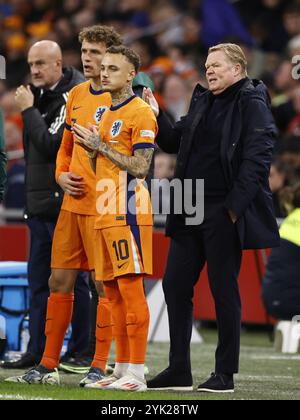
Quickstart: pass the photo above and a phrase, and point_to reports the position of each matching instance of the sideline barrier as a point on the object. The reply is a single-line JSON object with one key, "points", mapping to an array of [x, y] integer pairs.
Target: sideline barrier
{"points": [[14, 302], [14, 246]]}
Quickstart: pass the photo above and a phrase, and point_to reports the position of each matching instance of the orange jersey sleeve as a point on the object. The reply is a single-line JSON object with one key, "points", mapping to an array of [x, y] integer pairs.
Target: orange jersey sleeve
{"points": [[144, 130], [64, 156]]}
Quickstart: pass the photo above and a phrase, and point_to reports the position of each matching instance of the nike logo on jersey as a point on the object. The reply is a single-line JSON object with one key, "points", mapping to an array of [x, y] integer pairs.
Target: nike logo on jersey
{"points": [[75, 108], [122, 265]]}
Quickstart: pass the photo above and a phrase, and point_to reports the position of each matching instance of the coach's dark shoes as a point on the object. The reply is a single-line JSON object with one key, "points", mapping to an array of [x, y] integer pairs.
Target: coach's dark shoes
{"points": [[218, 384], [171, 380], [27, 361]]}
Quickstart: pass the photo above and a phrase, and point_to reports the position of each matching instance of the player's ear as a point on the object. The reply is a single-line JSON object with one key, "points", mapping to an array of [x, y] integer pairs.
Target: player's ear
{"points": [[131, 76]]}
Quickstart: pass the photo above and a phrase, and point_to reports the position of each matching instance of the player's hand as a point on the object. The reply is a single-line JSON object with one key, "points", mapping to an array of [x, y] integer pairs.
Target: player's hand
{"points": [[24, 98], [88, 138], [87, 149], [149, 98], [71, 184]]}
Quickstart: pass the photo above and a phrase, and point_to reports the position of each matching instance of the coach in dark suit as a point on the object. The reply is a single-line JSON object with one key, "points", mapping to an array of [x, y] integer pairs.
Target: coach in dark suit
{"points": [[227, 139]]}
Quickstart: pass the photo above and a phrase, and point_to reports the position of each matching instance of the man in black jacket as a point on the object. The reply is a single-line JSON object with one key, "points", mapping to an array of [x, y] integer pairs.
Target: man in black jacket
{"points": [[43, 108], [227, 139], [2, 159]]}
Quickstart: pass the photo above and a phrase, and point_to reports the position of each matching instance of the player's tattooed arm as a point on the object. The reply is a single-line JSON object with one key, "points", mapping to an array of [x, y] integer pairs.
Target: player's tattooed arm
{"points": [[137, 165]]}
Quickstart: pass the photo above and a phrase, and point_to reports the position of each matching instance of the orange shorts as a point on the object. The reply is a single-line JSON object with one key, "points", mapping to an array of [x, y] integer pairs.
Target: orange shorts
{"points": [[122, 251], [73, 242]]}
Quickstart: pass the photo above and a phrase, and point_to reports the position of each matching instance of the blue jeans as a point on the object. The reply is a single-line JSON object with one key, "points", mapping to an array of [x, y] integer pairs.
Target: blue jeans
{"points": [[39, 271]]}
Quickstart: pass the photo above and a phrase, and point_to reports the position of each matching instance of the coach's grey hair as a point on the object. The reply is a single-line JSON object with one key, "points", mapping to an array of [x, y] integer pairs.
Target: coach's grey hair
{"points": [[235, 54]]}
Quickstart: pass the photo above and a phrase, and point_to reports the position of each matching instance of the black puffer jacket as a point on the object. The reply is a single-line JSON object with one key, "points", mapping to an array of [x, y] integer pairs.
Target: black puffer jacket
{"points": [[43, 130], [246, 153]]}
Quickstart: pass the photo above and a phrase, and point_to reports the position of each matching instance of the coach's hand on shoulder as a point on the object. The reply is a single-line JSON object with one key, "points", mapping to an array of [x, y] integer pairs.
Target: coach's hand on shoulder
{"points": [[149, 98], [71, 184], [24, 98]]}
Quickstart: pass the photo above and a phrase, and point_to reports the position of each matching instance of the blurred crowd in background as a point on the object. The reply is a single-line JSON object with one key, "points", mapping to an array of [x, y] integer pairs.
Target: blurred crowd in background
{"points": [[172, 38]]}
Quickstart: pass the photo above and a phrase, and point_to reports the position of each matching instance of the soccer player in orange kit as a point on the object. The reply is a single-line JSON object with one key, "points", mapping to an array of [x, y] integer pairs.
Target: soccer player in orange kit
{"points": [[125, 146], [73, 243]]}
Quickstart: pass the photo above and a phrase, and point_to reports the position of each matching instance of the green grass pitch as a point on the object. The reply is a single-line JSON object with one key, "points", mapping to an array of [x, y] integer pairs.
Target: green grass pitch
{"points": [[264, 375]]}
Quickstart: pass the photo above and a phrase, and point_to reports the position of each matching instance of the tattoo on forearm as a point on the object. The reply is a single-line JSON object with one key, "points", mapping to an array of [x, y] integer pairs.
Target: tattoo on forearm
{"points": [[137, 165], [94, 141]]}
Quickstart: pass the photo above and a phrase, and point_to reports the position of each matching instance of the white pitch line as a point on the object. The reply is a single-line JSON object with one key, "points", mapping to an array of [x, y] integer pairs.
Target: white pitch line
{"points": [[263, 377], [289, 358], [21, 397]]}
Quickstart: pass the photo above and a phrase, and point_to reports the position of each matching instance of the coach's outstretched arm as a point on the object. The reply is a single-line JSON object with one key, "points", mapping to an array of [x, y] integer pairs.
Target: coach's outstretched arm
{"points": [[169, 136]]}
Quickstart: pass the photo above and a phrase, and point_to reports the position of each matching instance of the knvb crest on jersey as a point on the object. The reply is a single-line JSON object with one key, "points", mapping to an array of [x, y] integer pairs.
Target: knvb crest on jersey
{"points": [[99, 113], [116, 128]]}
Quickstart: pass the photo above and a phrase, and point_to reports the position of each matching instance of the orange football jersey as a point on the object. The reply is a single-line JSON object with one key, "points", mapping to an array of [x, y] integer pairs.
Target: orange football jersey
{"points": [[84, 106], [121, 198]]}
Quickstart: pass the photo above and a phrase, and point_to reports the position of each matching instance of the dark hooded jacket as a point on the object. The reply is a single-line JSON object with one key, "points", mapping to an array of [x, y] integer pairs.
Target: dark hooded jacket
{"points": [[246, 152], [43, 130]]}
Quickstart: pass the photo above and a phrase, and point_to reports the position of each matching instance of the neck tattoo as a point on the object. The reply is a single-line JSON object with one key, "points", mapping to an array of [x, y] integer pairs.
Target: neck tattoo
{"points": [[121, 96]]}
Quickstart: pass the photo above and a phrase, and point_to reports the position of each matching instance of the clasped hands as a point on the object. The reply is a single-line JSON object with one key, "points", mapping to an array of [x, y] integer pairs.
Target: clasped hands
{"points": [[88, 139]]}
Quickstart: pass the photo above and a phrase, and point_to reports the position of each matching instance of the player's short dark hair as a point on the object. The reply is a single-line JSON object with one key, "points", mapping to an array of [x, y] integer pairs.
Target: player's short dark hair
{"points": [[129, 53], [98, 33]]}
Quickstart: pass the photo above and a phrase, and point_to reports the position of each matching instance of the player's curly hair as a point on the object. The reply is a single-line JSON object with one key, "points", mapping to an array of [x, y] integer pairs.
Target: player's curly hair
{"points": [[130, 54], [99, 33]]}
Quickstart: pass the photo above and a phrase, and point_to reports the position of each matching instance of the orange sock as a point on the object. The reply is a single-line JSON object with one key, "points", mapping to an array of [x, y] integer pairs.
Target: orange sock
{"points": [[103, 334], [59, 315], [137, 316], [118, 312]]}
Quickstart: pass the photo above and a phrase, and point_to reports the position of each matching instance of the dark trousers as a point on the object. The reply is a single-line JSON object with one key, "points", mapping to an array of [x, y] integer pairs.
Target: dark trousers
{"points": [[215, 242], [39, 271]]}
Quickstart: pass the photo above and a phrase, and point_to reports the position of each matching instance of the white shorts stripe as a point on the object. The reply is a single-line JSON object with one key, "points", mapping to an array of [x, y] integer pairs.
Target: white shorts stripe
{"points": [[137, 268]]}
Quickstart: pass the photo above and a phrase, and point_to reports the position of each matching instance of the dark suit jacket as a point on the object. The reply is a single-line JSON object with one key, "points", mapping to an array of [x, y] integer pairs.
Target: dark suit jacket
{"points": [[246, 152]]}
